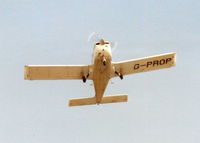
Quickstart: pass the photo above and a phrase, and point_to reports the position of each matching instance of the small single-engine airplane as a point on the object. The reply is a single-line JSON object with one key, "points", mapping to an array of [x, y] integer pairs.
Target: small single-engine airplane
{"points": [[100, 71]]}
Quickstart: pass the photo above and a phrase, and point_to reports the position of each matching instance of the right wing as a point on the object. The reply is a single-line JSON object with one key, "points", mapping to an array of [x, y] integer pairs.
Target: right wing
{"points": [[53, 72], [144, 64]]}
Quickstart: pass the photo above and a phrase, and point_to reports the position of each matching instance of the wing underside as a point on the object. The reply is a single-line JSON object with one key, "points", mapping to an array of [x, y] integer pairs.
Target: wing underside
{"points": [[52, 72], [144, 64]]}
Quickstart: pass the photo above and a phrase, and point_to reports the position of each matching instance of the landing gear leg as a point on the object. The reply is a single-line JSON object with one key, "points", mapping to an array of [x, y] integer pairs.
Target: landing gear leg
{"points": [[85, 78], [119, 74]]}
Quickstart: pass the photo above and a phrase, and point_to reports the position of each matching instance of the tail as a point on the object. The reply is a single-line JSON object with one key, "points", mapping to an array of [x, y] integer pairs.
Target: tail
{"points": [[92, 100]]}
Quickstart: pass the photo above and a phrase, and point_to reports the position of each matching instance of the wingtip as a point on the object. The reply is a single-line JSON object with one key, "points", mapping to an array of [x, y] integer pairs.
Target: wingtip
{"points": [[26, 73]]}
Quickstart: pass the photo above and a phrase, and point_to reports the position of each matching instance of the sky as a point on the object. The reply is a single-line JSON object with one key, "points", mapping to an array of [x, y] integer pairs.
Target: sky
{"points": [[163, 105]]}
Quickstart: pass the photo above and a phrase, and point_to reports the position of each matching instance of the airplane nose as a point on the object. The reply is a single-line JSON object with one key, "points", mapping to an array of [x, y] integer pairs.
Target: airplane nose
{"points": [[101, 52]]}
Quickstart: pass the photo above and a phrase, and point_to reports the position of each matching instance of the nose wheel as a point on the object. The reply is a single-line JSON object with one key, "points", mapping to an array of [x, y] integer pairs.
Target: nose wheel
{"points": [[104, 61]]}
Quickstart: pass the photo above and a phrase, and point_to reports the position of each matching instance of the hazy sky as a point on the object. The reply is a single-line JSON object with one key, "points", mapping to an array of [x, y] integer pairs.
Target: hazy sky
{"points": [[163, 105]]}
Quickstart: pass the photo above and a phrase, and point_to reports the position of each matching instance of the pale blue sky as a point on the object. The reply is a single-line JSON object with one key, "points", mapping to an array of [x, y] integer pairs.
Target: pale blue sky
{"points": [[163, 105]]}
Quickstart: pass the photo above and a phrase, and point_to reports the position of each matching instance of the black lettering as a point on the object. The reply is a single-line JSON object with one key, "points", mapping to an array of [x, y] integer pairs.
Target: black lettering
{"points": [[142, 65], [162, 61], [149, 63], [155, 62], [168, 60], [136, 66]]}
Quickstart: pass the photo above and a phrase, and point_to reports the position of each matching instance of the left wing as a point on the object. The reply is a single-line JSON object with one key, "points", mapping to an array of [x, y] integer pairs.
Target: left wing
{"points": [[144, 64], [53, 72]]}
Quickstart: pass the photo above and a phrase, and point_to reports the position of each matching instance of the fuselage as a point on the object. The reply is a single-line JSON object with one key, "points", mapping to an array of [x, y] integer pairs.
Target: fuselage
{"points": [[102, 68]]}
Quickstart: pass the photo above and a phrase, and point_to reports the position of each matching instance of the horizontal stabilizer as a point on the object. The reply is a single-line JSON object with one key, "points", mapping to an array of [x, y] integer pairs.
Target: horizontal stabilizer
{"points": [[92, 100], [114, 99], [82, 101]]}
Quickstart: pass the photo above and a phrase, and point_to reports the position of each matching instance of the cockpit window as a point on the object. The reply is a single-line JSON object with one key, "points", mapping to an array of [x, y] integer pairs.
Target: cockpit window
{"points": [[97, 43], [107, 43]]}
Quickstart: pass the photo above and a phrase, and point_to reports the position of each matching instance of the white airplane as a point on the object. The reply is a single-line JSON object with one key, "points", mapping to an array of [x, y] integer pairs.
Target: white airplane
{"points": [[100, 71]]}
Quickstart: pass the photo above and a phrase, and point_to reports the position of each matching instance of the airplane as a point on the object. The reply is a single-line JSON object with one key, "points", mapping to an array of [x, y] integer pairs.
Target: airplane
{"points": [[100, 71]]}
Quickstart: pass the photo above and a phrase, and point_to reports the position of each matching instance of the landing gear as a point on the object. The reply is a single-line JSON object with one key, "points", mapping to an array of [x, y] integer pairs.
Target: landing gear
{"points": [[85, 78], [104, 61], [119, 74]]}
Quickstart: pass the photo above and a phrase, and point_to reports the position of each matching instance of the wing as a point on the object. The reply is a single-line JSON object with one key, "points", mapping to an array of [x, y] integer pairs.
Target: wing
{"points": [[144, 64], [51, 72]]}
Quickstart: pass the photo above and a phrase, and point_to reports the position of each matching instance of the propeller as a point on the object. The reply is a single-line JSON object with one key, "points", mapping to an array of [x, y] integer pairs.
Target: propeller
{"points": [[114, 46], [95, 37]]}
